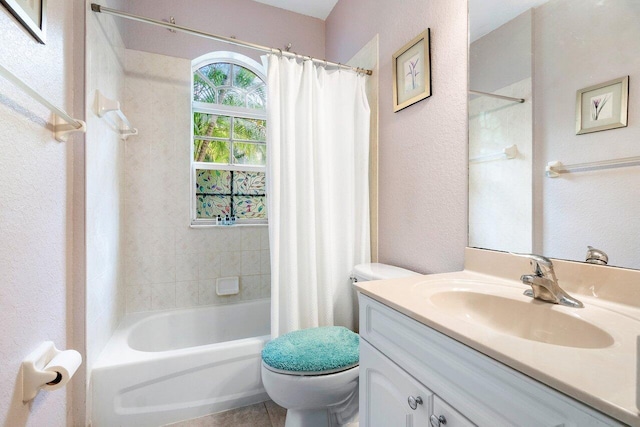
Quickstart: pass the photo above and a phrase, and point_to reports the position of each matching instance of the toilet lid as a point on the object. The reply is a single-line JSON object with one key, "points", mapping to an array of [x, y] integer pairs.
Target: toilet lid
{"points": [[314, 351]]}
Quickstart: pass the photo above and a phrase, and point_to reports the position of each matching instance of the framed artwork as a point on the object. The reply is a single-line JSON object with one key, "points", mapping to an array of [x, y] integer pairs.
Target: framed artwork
{"points": [[603, 106], [32, 14], [412, 72]]}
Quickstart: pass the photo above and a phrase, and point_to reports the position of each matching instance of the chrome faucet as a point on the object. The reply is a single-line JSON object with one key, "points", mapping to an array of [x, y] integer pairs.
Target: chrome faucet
{"points": [[544, 285]]}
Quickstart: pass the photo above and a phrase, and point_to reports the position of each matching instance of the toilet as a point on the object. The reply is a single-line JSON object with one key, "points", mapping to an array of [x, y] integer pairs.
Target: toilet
{"points": [[313, 373]]}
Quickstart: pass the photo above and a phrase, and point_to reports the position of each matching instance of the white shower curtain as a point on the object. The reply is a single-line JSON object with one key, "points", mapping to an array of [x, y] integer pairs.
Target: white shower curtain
{"points": [[317, 192]]}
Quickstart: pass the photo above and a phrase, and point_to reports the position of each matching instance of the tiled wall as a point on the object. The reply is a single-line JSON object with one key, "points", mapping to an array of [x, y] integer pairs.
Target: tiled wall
{"points": [[500, 198], [104, 173], [168, 264]]}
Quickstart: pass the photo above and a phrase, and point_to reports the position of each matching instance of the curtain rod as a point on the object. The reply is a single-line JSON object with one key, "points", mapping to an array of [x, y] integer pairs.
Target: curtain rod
{"points": [[495, 95], [101, 9]]}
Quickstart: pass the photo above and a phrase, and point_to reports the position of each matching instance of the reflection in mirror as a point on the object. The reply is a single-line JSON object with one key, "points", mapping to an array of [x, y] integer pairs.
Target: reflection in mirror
{"points": [[544, 52]]}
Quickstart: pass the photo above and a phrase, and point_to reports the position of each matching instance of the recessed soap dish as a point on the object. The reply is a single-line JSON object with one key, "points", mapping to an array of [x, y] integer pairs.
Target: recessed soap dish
{"points": [[227, 285]]}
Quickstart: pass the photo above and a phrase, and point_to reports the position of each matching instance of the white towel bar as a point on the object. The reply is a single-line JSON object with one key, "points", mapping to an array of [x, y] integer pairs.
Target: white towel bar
{"points": [[555, 169], [63, 123], [106, 105]]}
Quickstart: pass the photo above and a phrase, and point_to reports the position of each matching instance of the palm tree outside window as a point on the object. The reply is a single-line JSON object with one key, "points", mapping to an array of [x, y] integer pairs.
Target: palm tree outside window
{"points": [[229, 139]]}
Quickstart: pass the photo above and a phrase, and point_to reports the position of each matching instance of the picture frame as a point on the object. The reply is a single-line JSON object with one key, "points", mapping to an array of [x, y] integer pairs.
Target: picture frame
{"points": [[412, 72], [603, 106], [32, 14]]}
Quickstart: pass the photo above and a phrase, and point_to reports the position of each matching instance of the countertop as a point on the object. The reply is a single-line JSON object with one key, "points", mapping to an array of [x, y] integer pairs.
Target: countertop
{"points": [[602, 377]]}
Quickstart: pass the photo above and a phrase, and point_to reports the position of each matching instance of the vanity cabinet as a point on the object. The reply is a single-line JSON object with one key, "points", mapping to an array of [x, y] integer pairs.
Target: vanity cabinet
{"points": [[393, 398], [401, 358]]}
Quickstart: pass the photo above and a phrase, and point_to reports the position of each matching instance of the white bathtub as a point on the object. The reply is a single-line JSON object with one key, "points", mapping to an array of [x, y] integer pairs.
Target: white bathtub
{"points": [[164, 367]]}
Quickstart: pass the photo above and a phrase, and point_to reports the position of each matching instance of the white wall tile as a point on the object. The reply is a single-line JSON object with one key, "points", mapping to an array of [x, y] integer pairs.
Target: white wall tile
{"points": [[161, 250], [209, 265], [162, 267], [230, 239], [213, 239], [162, 240], [251, 262], [230, 263], [251, 238], [188, 240], [264, 238], [186, 294], [138, 298], [265, 262], [137, 268], [250, 286], [207, 292], [163, 296], [187, 267]]}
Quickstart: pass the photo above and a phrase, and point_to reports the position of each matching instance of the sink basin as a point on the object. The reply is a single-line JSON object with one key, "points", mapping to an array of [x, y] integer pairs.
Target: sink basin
{"points": [[531, 320]]}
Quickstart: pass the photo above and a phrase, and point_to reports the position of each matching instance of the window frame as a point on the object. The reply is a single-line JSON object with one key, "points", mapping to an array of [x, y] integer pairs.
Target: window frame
{"points": [[231, 111]]}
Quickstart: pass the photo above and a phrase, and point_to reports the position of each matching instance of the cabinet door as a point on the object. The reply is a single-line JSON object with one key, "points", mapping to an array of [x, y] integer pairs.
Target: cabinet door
{"points": [[388, 394], [445, 416]]}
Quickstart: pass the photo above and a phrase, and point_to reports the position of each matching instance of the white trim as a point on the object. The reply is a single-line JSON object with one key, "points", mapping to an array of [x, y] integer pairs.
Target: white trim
{"points": [[231, 57], [228, 167], [208, 223], [239, 112], [214, 138]]}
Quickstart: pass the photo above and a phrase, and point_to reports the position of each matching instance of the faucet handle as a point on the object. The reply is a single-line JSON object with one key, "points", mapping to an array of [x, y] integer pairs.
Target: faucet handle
{"points": [[537, 259], [596, 256]]}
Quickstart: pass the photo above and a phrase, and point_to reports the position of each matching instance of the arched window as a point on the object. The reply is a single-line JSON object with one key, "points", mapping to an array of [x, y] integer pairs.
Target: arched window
{"points": [[229, 139]]}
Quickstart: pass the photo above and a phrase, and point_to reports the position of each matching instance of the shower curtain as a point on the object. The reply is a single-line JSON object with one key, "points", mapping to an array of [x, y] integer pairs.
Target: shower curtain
{"points": [[317, 192]]}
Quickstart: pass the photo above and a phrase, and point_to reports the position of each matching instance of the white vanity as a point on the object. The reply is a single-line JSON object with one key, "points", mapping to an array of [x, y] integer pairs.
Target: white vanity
{"points": [[468, 348]]}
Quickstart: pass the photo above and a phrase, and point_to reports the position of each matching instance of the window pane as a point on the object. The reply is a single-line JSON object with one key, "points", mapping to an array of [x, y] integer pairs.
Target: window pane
{"points": [[245, 79], [250, 129], [211, 125], [250, 207], [231, 97], [218, 74], [249, 183], [227, 84], [213, 182], [211, 151], [257, 98], [202, 91], [212, 206], [249, 154]]}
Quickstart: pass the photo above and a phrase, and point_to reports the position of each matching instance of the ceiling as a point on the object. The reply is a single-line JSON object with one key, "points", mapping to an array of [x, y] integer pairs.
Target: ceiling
{"points": [[487, 15], [316, 8]]}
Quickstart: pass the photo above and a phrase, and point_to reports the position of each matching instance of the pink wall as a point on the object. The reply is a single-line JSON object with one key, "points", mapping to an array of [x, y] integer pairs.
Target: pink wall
{"points": [[423, 148], [245, 19], [36, 184]]}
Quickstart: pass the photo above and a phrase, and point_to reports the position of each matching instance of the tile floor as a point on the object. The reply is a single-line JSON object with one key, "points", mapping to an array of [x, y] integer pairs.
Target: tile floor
{"points": [[266, 414]]}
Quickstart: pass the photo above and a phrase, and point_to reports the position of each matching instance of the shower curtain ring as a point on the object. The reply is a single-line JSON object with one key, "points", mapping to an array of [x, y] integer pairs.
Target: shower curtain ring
{"points": [[280, 53]]}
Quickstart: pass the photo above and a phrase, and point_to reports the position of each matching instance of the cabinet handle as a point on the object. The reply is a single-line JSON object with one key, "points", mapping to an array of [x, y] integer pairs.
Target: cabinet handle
{"points": [[437, 421], [414, 402]]}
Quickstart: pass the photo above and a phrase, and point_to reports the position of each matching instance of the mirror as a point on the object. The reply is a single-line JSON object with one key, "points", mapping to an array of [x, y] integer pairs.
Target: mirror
{"points": [[538, 55]]}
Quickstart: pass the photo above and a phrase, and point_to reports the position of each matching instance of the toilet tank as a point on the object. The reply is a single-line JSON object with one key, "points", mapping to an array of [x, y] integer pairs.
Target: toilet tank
{"points": [[378, 271]]}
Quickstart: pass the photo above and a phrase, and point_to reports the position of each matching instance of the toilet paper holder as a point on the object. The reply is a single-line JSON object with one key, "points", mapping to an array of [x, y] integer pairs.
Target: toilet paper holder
{"points": [[47, 368]]}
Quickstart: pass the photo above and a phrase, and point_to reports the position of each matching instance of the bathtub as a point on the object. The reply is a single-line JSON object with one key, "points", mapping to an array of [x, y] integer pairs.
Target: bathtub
{"points": [[159, 368]]}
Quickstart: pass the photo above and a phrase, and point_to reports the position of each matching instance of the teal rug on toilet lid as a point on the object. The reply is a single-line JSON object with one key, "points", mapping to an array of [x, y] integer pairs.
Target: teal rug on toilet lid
{"points": [[313, 351]]}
